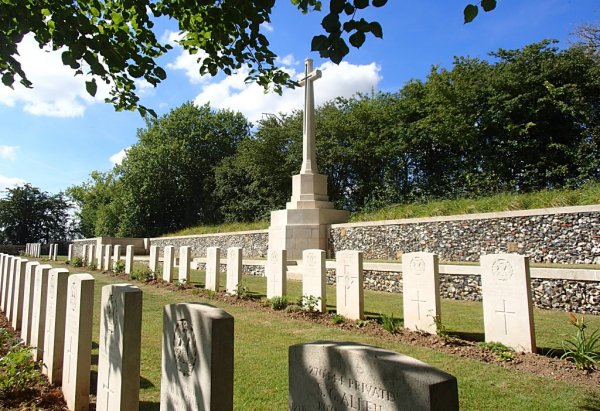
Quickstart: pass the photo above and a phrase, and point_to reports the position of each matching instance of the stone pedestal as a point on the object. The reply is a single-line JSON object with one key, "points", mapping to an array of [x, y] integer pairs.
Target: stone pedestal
{"points": [[304, 223]]}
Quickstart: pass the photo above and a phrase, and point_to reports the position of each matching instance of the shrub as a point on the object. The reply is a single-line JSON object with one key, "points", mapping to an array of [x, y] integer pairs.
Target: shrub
{"points": [[337, 319], [119, 266], [389, 323], [309, 302], [442, 331], [583, 350], [92, 266], [241, 290], [278, 303], [18, 371], [77, 262], [293, 308], [502, 352], [144, 274]]}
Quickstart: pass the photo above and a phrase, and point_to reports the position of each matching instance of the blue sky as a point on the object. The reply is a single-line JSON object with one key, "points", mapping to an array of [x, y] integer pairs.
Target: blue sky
{"points": [[54, 135]]}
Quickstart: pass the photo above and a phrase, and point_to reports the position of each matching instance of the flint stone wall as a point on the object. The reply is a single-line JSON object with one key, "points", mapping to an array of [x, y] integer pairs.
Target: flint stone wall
{"points": [[254, 243], [567, 235]]}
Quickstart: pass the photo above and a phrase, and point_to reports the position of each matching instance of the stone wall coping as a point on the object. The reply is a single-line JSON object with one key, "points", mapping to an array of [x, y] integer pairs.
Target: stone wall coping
{"points": [[266, 231], [479, 216], [85, 240]]}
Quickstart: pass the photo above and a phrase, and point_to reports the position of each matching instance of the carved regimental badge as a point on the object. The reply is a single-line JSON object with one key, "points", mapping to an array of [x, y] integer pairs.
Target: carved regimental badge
{"points": [[502, 269], [417, 265], [110, 311], [184, 346], [311, 260]]}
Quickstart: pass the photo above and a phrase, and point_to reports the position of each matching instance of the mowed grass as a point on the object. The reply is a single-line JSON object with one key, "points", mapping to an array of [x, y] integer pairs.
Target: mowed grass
{"points": [[262, 340]]}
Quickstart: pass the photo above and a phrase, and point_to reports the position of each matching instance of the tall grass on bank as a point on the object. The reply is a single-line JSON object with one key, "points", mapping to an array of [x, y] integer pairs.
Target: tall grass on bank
{"points": [[586, 195]]}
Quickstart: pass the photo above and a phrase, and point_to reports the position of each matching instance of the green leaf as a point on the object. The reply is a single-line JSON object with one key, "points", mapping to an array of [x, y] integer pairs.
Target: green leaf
{"points": [[160, 73], [488, 5], [470, 13], [337, 6], [379, 3], [357, 39], [8, 79], [116, 18], [319, 43], [331, 23], [361, 4], [91, 87], [376, 29], [349, 9]]}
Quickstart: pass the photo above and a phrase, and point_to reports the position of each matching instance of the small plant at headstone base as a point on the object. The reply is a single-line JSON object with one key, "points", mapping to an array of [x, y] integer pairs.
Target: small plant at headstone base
{"points": [[442, 331], [582, 349], [501, 351], [362, 323], [119, 266], [6, 338], [210, 294], [309, 302], [337, 319], [18, 371], [389, 323], [142, 274], [293, 308], [181, 284], [241, 290], [92, 266], [279, 302]]}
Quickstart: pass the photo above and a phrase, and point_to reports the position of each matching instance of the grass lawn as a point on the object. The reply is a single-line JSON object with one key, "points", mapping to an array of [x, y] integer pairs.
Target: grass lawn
{"points": [[262, 340]]}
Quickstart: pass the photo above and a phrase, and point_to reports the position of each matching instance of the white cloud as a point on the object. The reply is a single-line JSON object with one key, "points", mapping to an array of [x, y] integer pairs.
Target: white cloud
{"points": [[10, 182], [268, 27], [287, 60], [189, 64], [117, 158], [8, 152], [343, 80], [57, 92]]}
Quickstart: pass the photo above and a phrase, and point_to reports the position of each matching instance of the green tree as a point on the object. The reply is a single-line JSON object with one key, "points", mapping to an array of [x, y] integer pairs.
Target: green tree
{"points": [[114, 40], [30, 215], [167, 179]]}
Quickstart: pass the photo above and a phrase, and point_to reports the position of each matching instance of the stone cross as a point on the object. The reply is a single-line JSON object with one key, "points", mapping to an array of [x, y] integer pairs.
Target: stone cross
{"points": [[309, 156]]}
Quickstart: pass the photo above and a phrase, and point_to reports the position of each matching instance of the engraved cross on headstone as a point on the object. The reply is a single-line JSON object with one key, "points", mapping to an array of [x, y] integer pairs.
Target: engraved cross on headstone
{"points": [[348, 281], [505, 313], [309, 153], [418, 301], [68, 358]]}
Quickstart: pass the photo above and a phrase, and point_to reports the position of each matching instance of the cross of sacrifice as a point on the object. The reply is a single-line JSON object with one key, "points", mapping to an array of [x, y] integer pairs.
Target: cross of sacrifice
{"points": [[418, 301], [504, 313], [309, 153]]}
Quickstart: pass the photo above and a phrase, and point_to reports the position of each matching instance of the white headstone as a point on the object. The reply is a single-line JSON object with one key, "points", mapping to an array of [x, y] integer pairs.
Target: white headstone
{"points": [[84, 253], [99, 257], [184, 263], [11, 288], [129, 259], [421, 291], [70, 252], [168, 263], [38, 315], [276, 272], [345, 376], [55, 252], [91, 258], [2, 257], [120, 345], [234, 269], [314, 278], [17, 311], [50, 251], [116, 257], [106, 265], [78, 341], [507, 307], [153, 262], [56, 310], [28, 292], [213, 264], [5, 281], [197, 358], [349, 284]]}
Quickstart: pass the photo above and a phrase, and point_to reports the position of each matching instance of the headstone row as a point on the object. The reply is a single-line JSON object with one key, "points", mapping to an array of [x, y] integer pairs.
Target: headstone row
{"points": [[33, 249]]}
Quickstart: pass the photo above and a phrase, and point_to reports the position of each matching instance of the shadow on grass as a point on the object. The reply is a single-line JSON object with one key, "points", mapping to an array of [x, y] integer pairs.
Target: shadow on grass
{"points": [[149, 406], [145, 383], [591, 402], [477, 337]]}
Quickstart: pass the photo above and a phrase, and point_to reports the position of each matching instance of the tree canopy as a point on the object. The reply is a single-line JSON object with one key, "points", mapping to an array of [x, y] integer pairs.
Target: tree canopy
{"points": [[30, 215], [115, 42], [528, 119]]}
